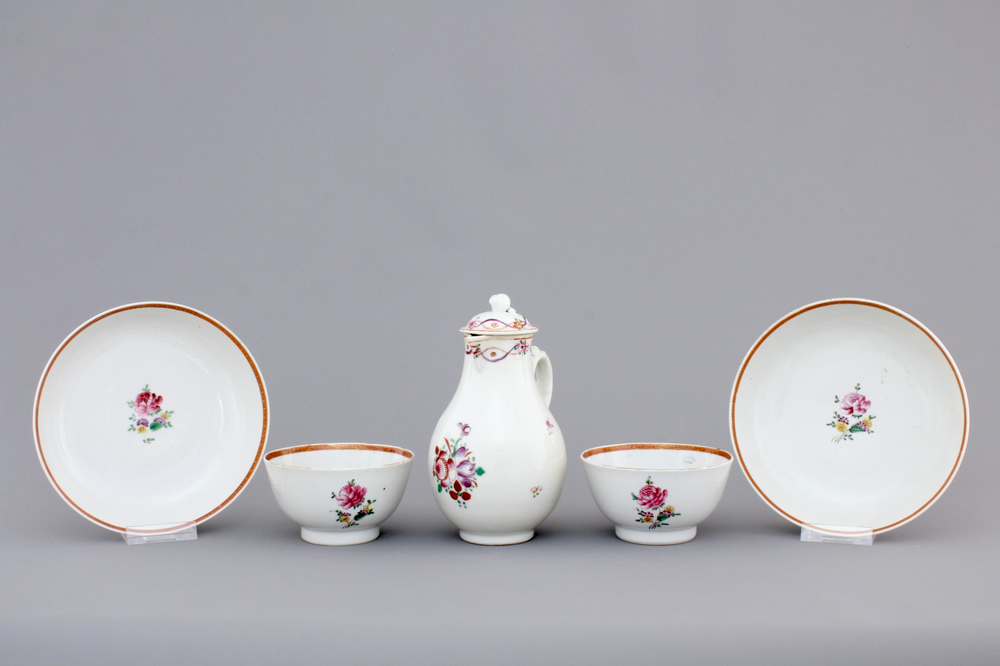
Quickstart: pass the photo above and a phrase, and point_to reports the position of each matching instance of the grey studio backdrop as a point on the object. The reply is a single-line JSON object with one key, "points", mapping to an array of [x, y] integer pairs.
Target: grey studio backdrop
{"points": [[344, 185]]}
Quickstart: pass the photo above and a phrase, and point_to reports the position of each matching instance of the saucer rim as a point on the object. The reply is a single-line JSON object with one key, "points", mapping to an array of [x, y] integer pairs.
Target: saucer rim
{"points": [[265, 425], [880, 306]]}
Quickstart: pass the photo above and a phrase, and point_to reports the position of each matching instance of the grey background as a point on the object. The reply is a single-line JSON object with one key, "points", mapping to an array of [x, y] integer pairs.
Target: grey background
{"points": [[343, 185]]}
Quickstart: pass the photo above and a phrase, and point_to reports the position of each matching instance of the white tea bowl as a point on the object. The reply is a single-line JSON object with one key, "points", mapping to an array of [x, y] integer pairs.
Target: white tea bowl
{"points": [[339, 493], [656, 493]]}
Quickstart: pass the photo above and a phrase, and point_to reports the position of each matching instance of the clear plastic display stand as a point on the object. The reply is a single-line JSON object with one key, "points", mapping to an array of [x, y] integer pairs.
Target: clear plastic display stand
{"points": [[142, 534], [855, 536]]}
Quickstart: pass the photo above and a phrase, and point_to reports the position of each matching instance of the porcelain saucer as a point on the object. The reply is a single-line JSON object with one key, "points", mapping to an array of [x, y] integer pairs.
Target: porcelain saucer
{"points": [[150, 414], [849, 415]]}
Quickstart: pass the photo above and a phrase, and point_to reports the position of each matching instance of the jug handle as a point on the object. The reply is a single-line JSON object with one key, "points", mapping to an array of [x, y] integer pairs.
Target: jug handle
{"points": [[543, 373]]}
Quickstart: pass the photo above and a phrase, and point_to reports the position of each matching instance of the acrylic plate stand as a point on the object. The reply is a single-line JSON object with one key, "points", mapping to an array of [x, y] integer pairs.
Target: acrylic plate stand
{"points": [[855, 536], [136, 536]]}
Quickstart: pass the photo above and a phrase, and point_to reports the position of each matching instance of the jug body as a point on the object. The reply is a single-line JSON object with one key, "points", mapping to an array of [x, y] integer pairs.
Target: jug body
{"points": [[497, 459]]}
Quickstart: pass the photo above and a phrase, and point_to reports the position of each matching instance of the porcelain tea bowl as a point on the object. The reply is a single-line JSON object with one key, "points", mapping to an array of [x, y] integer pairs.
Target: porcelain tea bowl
{"points": [[656, 493], [339, 493]]}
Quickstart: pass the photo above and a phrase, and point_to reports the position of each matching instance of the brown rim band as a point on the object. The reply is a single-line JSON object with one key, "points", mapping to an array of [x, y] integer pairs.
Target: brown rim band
{"points": [[502, 338], [338, 447], [669, 447], [139, 306], [879, 306]]}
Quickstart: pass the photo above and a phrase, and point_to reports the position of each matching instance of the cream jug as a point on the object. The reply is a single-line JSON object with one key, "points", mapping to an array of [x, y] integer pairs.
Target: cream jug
{"points": [[497, 458]]}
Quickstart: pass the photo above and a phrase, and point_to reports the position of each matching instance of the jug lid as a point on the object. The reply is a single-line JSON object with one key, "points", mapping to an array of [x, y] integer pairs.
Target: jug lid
{"points": [[501, 320]]}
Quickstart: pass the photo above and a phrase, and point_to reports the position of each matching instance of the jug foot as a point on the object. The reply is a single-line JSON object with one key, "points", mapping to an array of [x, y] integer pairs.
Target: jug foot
{"points": [[495, 539], [656, 538], [339, 538]]}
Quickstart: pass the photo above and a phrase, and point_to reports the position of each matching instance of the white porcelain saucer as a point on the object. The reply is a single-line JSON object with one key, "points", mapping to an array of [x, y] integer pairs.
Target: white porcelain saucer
{"points": [[849, 415], [150, 414]]}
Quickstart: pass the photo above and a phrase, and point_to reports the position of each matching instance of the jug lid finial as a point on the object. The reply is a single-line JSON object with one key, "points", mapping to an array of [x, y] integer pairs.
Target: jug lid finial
{"points": [[500, 302], [500, 320]]}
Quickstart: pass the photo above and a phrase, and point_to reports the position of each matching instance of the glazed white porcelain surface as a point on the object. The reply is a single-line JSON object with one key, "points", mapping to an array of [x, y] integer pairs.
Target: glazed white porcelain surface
{"points": [[497, 440], [849, 413], [150, 414], [656, 494], [339, 493]]}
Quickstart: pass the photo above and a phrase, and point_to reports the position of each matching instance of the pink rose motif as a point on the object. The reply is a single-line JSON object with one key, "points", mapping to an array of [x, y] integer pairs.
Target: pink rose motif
{"points": [[351, 495], [651, 497], [147, 402], [855, 403], [454, 468], [443, 468], [465, 429]]}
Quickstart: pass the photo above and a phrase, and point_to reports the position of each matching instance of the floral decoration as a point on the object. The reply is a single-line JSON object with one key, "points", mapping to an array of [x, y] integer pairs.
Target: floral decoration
{"points": [[498, 325], [496, 354], [855, 406], [148, 414], [652, 505], [353, 504], [549, 425], [535, 491], [455, 468]]}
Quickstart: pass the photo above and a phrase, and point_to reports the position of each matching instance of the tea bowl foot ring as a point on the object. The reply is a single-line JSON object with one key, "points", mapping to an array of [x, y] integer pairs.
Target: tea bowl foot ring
{"points": [[493, 539], [656, 538], [339, 538]]}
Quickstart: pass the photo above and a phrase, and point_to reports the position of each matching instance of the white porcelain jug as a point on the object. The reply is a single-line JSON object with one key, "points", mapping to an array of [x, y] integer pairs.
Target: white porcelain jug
{"points": [[497, 458]]}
